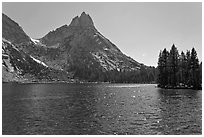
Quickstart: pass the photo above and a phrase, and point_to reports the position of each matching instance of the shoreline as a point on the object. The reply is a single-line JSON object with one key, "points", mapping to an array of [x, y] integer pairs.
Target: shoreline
{"points": [[67, 82], [86, 82], [179, 87]]}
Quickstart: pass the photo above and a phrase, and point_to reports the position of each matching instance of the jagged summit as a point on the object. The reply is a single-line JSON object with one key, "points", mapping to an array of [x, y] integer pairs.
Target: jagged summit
{"points": [[78, 25], [83, 21]]}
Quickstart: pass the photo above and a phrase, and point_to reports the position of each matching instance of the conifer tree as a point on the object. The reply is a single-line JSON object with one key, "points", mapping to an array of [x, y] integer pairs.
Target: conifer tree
{"points": [[194, 69], [162, 67], [159, 67], [200, 72], [173, 64], [165, 55], [182, 67], [188, 68]]}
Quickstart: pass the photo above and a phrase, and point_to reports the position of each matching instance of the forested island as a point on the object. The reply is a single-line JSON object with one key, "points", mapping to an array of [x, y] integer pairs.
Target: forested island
{"points": [[179, 70]]}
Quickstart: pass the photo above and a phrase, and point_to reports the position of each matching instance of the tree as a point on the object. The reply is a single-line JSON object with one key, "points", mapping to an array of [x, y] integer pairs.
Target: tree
{"points": [[162, 68], [182, 68], [173, 64], [159, 68], [194, 69], [200, 72], [188, 68]]}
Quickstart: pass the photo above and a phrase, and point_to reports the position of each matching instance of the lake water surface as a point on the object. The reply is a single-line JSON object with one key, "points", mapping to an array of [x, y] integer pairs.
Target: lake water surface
{"points": [[99, 109]]}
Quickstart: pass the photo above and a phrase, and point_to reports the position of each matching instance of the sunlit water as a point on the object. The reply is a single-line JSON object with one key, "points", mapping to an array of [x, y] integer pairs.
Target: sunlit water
{"points": [[99, 109]]}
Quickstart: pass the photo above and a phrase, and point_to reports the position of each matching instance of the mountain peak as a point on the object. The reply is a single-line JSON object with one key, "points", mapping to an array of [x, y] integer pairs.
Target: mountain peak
{"points": [[83, 21], [84, 14]]}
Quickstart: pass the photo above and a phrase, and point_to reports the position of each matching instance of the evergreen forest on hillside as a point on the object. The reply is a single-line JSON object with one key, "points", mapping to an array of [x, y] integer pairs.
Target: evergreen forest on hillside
{"points": [[143, 75]]}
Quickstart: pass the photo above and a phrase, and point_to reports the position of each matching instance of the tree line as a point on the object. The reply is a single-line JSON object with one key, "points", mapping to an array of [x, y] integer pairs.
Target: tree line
{"points": [[143, 75], [179, 70]]}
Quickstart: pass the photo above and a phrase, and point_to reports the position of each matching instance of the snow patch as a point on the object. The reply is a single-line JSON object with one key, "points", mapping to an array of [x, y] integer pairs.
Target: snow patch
{"points": [[104, 61], [100, 60], [4, 42], [38, 61], [35, 40]]}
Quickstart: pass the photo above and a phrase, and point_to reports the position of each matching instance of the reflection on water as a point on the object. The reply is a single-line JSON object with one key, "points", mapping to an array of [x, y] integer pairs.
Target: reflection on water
{"points": [[99, 109]]}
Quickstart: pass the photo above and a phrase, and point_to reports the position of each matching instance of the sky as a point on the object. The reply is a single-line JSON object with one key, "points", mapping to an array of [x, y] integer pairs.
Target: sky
{"points": [[139, 30]]}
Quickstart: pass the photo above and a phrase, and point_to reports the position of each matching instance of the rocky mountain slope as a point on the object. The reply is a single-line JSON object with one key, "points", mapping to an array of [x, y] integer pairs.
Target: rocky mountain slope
{"points": [[85, 45], [78, 49], [20, 67], [17, 65]]}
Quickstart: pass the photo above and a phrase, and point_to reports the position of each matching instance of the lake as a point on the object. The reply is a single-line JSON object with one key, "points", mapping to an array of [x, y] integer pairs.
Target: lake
{"points": [[99, 109]]}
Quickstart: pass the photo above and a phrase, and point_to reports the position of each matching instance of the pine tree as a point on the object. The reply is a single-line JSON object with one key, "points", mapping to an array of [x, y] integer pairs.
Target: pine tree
{"points": [[173, 64], [194, 69], [159, 68], [162, 68], [200, 72], [188, 69], [182, 68], [165, 55]]}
